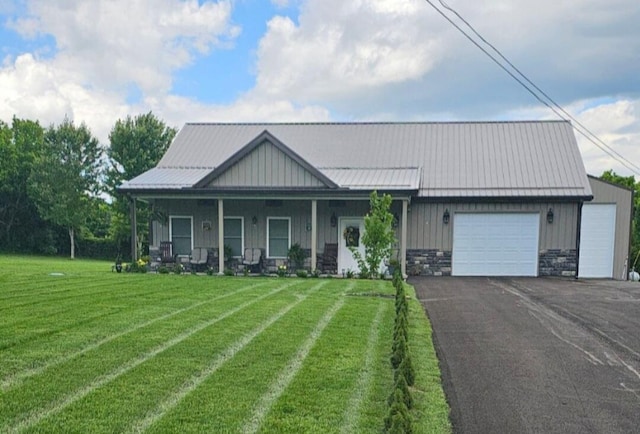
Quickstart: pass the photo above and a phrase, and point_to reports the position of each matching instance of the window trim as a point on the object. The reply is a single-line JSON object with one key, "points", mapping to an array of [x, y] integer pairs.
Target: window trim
{"points": [[241, 233], [171, 217], [288, 219]]}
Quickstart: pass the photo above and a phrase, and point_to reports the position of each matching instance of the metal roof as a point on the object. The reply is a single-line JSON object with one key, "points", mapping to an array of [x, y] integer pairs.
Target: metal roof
{"points": [[452, 159], [401, 178]]}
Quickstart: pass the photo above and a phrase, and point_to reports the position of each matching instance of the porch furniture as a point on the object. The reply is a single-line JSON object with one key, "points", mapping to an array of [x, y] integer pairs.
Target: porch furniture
{"points": [[330, 258], [166, 253], [252, 259], [198, 258]]}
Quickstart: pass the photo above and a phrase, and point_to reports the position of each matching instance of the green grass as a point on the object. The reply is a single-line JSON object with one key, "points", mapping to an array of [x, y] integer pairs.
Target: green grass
{"points": [[94, 351]]}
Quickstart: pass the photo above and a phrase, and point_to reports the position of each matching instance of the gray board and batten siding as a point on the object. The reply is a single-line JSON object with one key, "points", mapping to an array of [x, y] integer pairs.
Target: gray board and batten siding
{"points": [[255, 235]]}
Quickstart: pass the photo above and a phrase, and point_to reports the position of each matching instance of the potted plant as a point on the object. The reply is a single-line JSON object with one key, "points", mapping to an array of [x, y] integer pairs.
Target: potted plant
{"points": [[296, 256], [394, 264]]}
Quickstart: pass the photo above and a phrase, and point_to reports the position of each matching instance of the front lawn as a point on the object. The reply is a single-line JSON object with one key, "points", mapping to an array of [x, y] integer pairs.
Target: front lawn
{"points": [[83, 349]]}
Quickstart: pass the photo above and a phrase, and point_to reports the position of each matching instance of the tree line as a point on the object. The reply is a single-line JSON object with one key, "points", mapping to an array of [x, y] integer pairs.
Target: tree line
{"points": [[58, 185]]}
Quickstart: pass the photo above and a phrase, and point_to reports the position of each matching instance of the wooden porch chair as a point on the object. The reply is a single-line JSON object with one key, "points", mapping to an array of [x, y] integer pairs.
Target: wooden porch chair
{"points": [[330, 258], [166, 253]]}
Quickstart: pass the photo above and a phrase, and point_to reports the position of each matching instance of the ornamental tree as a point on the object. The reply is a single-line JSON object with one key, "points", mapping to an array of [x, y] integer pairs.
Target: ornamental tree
{"points": [[378, 237]]}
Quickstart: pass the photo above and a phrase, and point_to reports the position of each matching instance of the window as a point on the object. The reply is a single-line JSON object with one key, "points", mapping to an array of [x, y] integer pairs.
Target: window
{"points": [[234, 235], [278, 236], [180, 233]]}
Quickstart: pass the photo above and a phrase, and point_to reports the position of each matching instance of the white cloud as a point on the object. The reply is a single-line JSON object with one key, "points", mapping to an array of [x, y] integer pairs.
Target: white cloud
{"points": [[113, 44], [342, 48]]}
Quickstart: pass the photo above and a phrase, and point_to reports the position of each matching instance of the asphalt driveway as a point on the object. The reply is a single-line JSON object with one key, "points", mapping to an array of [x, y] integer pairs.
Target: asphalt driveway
{"points": [[537, 355]]}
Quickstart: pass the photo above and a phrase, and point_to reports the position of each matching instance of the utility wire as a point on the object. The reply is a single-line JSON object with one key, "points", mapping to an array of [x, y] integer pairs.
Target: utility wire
{"points": [[556, 108], [499, 53]]}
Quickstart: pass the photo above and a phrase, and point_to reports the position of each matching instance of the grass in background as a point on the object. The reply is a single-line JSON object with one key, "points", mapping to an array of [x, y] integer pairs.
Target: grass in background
{"points": [[87, 350]]}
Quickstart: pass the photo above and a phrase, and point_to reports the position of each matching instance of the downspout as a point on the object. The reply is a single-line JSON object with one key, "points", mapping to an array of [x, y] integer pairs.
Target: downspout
{"points": [[578, 238]]}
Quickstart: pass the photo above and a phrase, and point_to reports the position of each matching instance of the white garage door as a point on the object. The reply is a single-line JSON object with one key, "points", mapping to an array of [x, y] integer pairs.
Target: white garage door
{"points": [[597, 233], [491, 244]]}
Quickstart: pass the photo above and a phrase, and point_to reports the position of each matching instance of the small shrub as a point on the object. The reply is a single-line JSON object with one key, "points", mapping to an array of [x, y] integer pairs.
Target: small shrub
{"points": [[315, 274], [302, 274], [350, 274], [163, 269], [178, 269], [228, 272], [403, 387], [401, 327], [210, 271], [398, 420], [406, 370], [399, 352]]}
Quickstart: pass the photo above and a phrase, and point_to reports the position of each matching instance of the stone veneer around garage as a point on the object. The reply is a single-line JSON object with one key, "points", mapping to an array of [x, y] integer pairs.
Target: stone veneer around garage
{"points": [[428, 262], [557, 262], [435, 262]]}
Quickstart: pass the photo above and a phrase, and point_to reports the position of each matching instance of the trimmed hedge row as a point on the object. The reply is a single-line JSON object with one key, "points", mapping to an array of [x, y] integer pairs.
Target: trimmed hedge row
{"points": [[398, 419]]}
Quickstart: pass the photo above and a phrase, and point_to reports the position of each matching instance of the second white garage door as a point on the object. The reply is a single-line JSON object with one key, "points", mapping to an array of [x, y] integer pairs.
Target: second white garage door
{"points": [[494, 244], [597, 237]]}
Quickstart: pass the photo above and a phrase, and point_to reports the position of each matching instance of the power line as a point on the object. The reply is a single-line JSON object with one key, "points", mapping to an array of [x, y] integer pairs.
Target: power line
{"points": [[549, 102]]}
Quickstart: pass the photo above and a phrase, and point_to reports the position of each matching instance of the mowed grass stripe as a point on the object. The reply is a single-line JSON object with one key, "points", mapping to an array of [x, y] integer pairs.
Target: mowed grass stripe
{"points": [[87, 290], [227, 398], [34, 324], [230, 352], [289, 372], [316, 399], [363, 385], [51, 339], [37, 324], [14, 379], [37, 415]]}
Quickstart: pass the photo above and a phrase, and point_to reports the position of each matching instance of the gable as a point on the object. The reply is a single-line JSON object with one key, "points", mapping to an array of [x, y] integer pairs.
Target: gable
{"points": [[266, 163]]}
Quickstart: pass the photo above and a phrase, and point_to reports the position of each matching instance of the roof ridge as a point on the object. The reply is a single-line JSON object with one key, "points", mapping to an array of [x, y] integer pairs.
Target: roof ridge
{"points": [[523, 121]]}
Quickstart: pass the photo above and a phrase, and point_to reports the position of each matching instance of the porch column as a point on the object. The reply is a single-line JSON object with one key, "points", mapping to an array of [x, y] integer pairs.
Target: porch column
{"points": [[220, 236], [314, 234], [134, 229], [403, 237]]}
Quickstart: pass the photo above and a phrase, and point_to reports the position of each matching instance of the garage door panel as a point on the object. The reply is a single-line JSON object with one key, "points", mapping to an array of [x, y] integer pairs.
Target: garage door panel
{"points": [[500, 244], [597, 238]]}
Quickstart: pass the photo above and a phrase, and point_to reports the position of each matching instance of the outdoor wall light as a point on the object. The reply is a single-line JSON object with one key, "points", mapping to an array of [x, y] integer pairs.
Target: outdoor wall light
{"points": [[308, 227], [254, 220], [334, 220], [446, 217], [396, 220], [550, 215]]}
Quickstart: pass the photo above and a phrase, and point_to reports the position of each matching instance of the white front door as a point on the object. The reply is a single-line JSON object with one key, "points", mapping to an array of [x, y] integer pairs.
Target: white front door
{"points": [[350, 232]]}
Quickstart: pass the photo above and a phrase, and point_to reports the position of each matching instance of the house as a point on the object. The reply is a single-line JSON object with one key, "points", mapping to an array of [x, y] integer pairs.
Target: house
{"points": [[470, 198]]}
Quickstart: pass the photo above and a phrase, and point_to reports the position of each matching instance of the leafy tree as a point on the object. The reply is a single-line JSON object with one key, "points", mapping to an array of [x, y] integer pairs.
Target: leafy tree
{"points": [[378, 237], [136, 145], [66, 176], [20, 144]]}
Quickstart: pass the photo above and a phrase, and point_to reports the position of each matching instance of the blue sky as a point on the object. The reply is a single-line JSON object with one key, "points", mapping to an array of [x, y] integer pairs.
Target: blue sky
{"points": [[321, 60]]}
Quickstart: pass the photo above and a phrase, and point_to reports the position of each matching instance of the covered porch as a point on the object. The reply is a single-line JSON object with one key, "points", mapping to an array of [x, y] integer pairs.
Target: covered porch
{"points": [[272, 224]]}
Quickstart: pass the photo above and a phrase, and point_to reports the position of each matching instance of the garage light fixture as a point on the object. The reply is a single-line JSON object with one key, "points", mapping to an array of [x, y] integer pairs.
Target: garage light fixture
{"points": [[334, 220], [550, 216], [446, 217]]}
